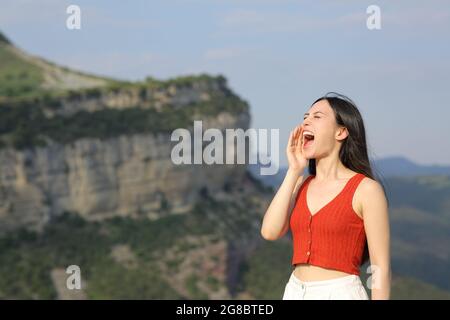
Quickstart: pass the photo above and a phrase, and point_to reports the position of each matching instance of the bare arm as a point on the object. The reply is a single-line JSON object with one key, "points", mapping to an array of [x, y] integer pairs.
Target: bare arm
{"points": [[376, 224], [276, 219]]}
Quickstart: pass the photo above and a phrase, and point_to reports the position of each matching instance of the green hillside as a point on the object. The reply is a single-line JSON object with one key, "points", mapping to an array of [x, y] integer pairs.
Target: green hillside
{"points": [[23, 75], [69, 240], [427, 193], [420, 228], [17, 76], [406, 288]]}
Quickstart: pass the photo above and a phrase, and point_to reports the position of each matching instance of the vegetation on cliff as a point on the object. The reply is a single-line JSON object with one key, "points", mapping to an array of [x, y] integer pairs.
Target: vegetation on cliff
{"points": [[70, 240], [25, 126]]}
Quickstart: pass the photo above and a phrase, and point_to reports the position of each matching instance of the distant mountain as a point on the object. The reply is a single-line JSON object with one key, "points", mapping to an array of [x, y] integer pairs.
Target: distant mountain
{"points": [[401, 166], [384, 167]]}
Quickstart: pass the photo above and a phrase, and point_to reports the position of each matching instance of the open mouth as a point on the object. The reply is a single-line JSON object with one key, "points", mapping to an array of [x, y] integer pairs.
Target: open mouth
{"points": [[308, 139]]}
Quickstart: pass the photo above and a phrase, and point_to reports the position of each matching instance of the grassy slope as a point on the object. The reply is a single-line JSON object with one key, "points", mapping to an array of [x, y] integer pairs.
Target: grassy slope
{"points": [[23, 75], [17, 77], [70, 240]]}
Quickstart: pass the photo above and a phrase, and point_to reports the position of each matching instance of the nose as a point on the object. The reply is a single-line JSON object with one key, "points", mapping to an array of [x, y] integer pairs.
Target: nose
{"points": [[306, 117], [306, 122]]}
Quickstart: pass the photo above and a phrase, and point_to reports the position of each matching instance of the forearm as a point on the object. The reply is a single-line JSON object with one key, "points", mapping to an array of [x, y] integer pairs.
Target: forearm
{"points": [[381, 285]]}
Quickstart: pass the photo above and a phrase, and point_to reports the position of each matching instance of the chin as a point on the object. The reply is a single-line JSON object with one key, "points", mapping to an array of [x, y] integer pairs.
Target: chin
{"points": [[309, 154]]}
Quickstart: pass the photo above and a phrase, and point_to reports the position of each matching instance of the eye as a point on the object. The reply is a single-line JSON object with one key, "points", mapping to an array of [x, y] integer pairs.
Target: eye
{"points": [[317, 117]]}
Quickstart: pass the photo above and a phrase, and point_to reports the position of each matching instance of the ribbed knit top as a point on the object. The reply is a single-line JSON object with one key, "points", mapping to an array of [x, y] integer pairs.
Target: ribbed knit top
{"points": [[332, 238]]}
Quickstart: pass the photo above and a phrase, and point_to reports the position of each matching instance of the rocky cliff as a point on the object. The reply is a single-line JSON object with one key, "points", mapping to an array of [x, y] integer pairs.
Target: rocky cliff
{"points": [[121, 175], [105, 150]]}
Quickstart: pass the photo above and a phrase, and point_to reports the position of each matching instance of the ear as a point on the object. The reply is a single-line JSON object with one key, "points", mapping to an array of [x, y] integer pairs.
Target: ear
{"points": [[342, 133]]}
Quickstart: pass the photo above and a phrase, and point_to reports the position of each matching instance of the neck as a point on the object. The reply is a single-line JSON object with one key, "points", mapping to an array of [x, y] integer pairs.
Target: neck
{"points": [[330, 168]]}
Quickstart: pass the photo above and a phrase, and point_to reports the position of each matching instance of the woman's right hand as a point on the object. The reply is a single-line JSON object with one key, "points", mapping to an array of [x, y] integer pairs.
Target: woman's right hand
{"points": [[296, 160]]}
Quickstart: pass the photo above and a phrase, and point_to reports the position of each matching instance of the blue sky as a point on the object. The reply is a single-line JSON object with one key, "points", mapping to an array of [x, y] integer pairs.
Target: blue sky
{"points": [[278, 55]]}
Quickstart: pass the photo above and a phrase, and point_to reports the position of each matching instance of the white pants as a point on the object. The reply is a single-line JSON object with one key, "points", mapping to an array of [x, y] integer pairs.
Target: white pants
{"points": [[344, 288]]}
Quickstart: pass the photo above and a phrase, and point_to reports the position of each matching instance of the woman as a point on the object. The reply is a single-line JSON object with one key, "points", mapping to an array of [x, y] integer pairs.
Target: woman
{"points": [[338, 215]]}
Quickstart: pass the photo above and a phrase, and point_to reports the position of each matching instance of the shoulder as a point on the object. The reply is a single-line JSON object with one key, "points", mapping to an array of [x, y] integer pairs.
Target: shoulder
{"points": [[369, 186], [368, 193]]}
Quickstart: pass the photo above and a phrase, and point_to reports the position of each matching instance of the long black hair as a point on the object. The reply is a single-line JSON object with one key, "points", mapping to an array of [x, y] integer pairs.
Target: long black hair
{"points": [[353, 153]]}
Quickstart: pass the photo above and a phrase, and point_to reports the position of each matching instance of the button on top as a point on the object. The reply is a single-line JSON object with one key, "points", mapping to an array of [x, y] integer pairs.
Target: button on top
{"points": [[308, 253]]}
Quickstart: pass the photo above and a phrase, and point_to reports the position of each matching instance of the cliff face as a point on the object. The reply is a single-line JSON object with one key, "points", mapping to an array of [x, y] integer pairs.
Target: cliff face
{"points": [[125, 175]]}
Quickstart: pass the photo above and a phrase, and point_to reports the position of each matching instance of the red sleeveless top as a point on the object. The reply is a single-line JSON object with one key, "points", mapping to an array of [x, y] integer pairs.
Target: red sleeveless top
{"points": [[332, 238]]}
